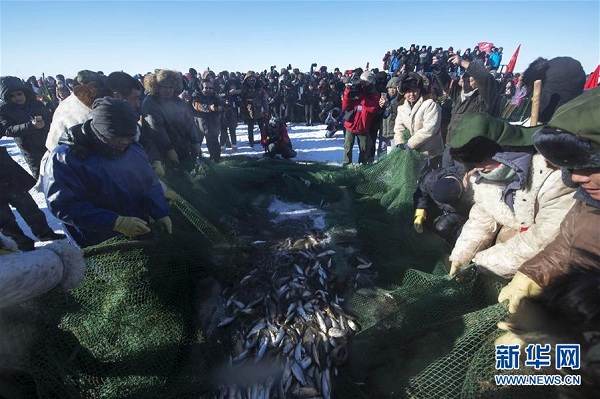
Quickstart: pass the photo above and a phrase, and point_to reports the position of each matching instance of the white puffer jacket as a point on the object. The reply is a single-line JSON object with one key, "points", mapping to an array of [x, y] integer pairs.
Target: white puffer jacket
{"points": [[518, 235], [423, 120]]}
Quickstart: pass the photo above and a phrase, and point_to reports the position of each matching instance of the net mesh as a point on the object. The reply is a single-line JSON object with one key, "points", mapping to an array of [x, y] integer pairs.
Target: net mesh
{"points": [[143, 323]]}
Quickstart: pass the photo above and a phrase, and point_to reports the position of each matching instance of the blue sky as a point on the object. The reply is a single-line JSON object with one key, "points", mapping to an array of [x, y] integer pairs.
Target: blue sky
{"points": [[138, 36]]}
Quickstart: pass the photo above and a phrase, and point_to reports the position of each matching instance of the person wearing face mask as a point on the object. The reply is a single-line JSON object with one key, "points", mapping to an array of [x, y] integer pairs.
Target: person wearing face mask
{"points": [[102, 185], [419, 118], [520, 199]]}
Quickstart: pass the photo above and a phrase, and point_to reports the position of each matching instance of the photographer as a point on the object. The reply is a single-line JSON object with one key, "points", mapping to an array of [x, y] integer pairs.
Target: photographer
{"points": [[273, 92], [360, 104], [275, 139], [229, 119]]}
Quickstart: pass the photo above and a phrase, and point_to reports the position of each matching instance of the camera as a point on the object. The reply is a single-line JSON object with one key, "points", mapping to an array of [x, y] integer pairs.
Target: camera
{"points": [[273, 67], [314, 64], [353, 84]]}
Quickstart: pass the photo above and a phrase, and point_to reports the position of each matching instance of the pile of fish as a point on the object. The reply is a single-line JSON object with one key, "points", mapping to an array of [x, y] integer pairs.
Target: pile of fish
{"points": [[293, 328]]}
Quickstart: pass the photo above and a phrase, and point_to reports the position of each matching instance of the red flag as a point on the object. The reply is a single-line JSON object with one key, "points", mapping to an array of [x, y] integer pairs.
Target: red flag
{"points": [[485, 47], [592, 81], [513, 60]]}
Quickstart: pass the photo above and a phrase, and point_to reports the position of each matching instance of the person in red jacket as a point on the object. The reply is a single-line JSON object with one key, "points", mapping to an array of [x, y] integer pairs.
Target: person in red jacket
{"points": [[360, 103], [275, 140]]}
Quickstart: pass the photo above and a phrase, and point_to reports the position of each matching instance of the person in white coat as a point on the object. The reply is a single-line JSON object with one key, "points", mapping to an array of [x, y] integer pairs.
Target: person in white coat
{"points": [[520, 199], [419, 118]]}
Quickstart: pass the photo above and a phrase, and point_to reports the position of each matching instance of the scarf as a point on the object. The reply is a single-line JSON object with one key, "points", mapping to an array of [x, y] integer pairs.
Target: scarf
{"points": [[502, 174]]}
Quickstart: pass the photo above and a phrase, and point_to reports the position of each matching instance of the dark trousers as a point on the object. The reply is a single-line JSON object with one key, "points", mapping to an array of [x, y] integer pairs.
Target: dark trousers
{"points": [[364, 145], [308, 114], [286, 152], [228, 140], [29, 211], [251, 122]]}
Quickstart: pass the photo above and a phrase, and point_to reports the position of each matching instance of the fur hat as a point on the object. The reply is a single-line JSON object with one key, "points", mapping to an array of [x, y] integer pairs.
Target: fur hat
{"points": [[368, 76], [409, 81], [572, 137], [562, 79], [165, 77], [86, 76]]}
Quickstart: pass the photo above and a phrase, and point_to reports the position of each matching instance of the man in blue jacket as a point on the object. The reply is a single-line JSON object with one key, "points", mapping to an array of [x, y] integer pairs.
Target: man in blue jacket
{"points": [[102, 184]]}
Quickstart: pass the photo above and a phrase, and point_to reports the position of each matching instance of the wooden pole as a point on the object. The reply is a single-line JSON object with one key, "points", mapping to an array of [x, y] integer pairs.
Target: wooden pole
{"points": [[535, 103]]}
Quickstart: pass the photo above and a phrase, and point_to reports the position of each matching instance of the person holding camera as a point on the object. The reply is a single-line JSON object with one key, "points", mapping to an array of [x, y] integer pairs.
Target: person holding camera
{"points": [[310, 100], [229, 118], [254, 105], [275, 139], [360, 104]]}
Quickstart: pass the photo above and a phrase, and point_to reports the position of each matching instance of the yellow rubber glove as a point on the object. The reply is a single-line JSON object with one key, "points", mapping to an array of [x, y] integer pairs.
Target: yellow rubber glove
{"points": [[131, 226], [420, 217], [172, 157], [508, 338], [166, 223], [158, 168], [520, 287]]}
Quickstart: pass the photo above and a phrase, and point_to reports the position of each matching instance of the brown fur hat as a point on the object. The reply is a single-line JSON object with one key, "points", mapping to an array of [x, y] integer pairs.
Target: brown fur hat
{"points": [[163, 76], [87, 93]]}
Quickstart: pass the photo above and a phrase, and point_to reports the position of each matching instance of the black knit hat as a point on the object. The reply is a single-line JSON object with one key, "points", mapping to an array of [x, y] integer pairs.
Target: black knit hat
{"points": [[113, 117], [446, 190]]}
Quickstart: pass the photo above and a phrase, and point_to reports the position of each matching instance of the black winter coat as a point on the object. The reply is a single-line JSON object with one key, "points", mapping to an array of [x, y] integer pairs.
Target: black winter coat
{"points": [[13, 178], [16, 120], [485, 100]]}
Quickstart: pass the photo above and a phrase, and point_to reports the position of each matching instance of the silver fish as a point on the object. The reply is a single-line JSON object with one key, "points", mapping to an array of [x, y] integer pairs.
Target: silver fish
{"points": [[298, 373], [335, 333], [227, 321], [262, 349]]}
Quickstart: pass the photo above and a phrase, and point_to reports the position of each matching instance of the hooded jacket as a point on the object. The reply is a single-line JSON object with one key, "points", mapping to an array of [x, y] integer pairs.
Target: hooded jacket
{"points": [[485, 99], [16, 120], [499, 239]]}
